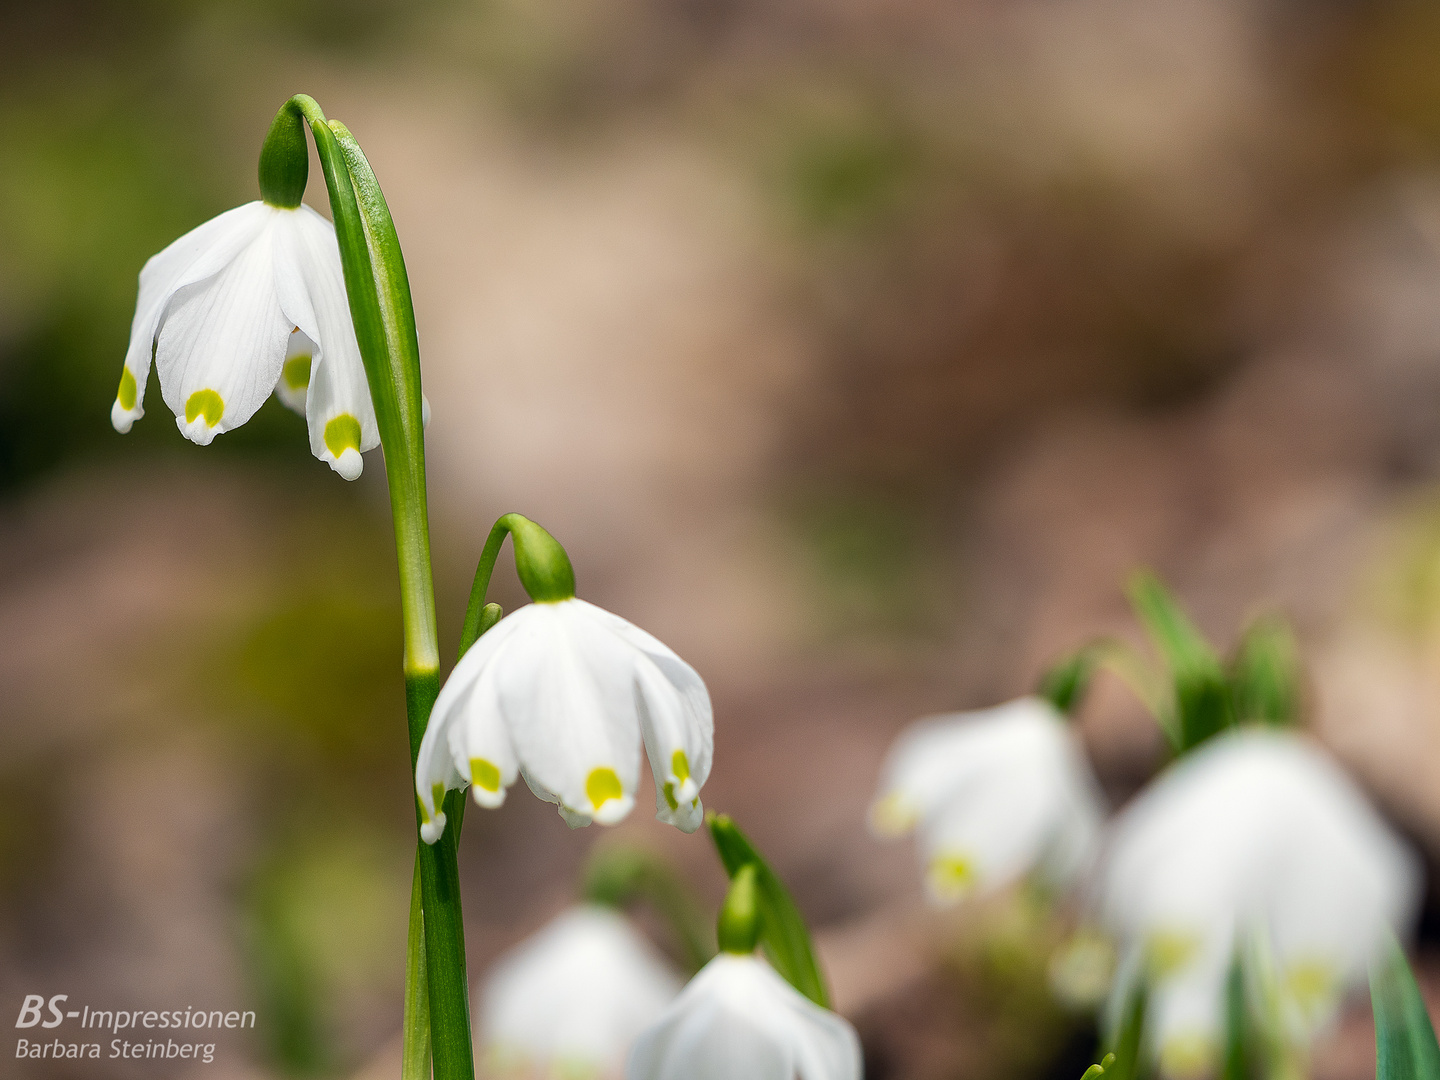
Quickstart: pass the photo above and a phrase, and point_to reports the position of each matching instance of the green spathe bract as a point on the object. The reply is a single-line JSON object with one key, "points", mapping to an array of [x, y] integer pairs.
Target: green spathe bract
{"points": [[1405, 1047], [378, 292], [738, 927], [783, 934], [1202, 704]]}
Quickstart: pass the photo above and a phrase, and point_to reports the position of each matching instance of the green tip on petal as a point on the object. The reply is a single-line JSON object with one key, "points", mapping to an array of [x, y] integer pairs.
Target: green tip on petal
{"points": [[206, 403], [486, 784], [126, 394], [341, 433], [951, 876], [602, 785], [296, 374], [431, 828], [342, 439], [1167, 952]]}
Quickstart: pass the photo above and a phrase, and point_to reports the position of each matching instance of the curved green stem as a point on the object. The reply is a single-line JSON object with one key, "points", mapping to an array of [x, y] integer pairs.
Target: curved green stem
{"points": [[378, 291], [479, 615]]}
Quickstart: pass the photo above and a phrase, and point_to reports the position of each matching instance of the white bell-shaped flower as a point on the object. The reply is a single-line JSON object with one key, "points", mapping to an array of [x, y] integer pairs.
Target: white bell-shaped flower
{"points": [[562, 693], [739, 1020], [1256, 842], [994, 794], [251, 302], [569, 1001]]}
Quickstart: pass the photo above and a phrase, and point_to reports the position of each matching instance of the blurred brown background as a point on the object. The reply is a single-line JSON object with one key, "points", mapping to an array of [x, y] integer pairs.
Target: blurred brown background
{"points": [[856, 349]]}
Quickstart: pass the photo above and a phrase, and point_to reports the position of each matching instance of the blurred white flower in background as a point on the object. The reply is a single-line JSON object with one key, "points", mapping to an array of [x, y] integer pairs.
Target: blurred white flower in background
{"points": [[994, 795], [249, 303], [1256, 841], [568, 1001], [739, 1020], [562, 693]]}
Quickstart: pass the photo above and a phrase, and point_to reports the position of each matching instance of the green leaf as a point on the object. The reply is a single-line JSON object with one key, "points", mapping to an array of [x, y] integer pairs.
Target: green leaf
{"points": [[1128, 1043], [1064, 684], [1234, 1066], [415, 1059], [783, 934], [1265, 674], [1405, 1047], [1201, 692]]}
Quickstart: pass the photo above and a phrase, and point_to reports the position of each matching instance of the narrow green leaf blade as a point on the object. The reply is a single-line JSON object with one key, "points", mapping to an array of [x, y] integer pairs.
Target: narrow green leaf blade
{"points": [[783, 934], [1265, 674], [415, 1060], [1129, 1040], [1064, 684], [1202, 693], [1405, 1047], [1235, 1065]]}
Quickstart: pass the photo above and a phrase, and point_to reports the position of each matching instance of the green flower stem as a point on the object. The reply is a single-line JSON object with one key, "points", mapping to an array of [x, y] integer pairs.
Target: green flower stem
{"points": [[477, 612], [379, 294], [540, 562]]}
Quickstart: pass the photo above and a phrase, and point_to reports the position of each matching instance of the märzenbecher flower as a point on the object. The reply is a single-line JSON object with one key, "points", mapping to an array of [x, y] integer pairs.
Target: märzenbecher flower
{"points": [[569, 1001], [249, 303], [995, 794], [1256, 837], [562, 693]]}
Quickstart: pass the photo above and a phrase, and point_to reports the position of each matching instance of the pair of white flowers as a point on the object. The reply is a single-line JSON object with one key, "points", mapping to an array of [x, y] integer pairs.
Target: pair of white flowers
{"points": [[253, 302], [587, 996], [1256, 843]]}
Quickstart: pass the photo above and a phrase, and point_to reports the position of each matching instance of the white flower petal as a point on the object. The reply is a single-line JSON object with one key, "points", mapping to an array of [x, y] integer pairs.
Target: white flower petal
{"points": [[738, 1018], [222, 344], [1258, 837], [294, 381], [201, 253], [997, 794], [566, 695], [574, 995], [459, 730], [677, 720], [311, 285]]}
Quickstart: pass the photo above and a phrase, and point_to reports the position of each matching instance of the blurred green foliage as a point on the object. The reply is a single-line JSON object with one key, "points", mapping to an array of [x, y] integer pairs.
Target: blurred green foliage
{"points": [[324, 922], [849, 170], [876, 560], [1000, 957], [1404, 588]]}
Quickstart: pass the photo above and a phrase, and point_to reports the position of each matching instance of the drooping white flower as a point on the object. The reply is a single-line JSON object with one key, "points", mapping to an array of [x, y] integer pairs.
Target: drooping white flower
{"points": [[249, 303], [739, 1020], [1256, 842], [562, 693], [994, 794], [569, 1001]]}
